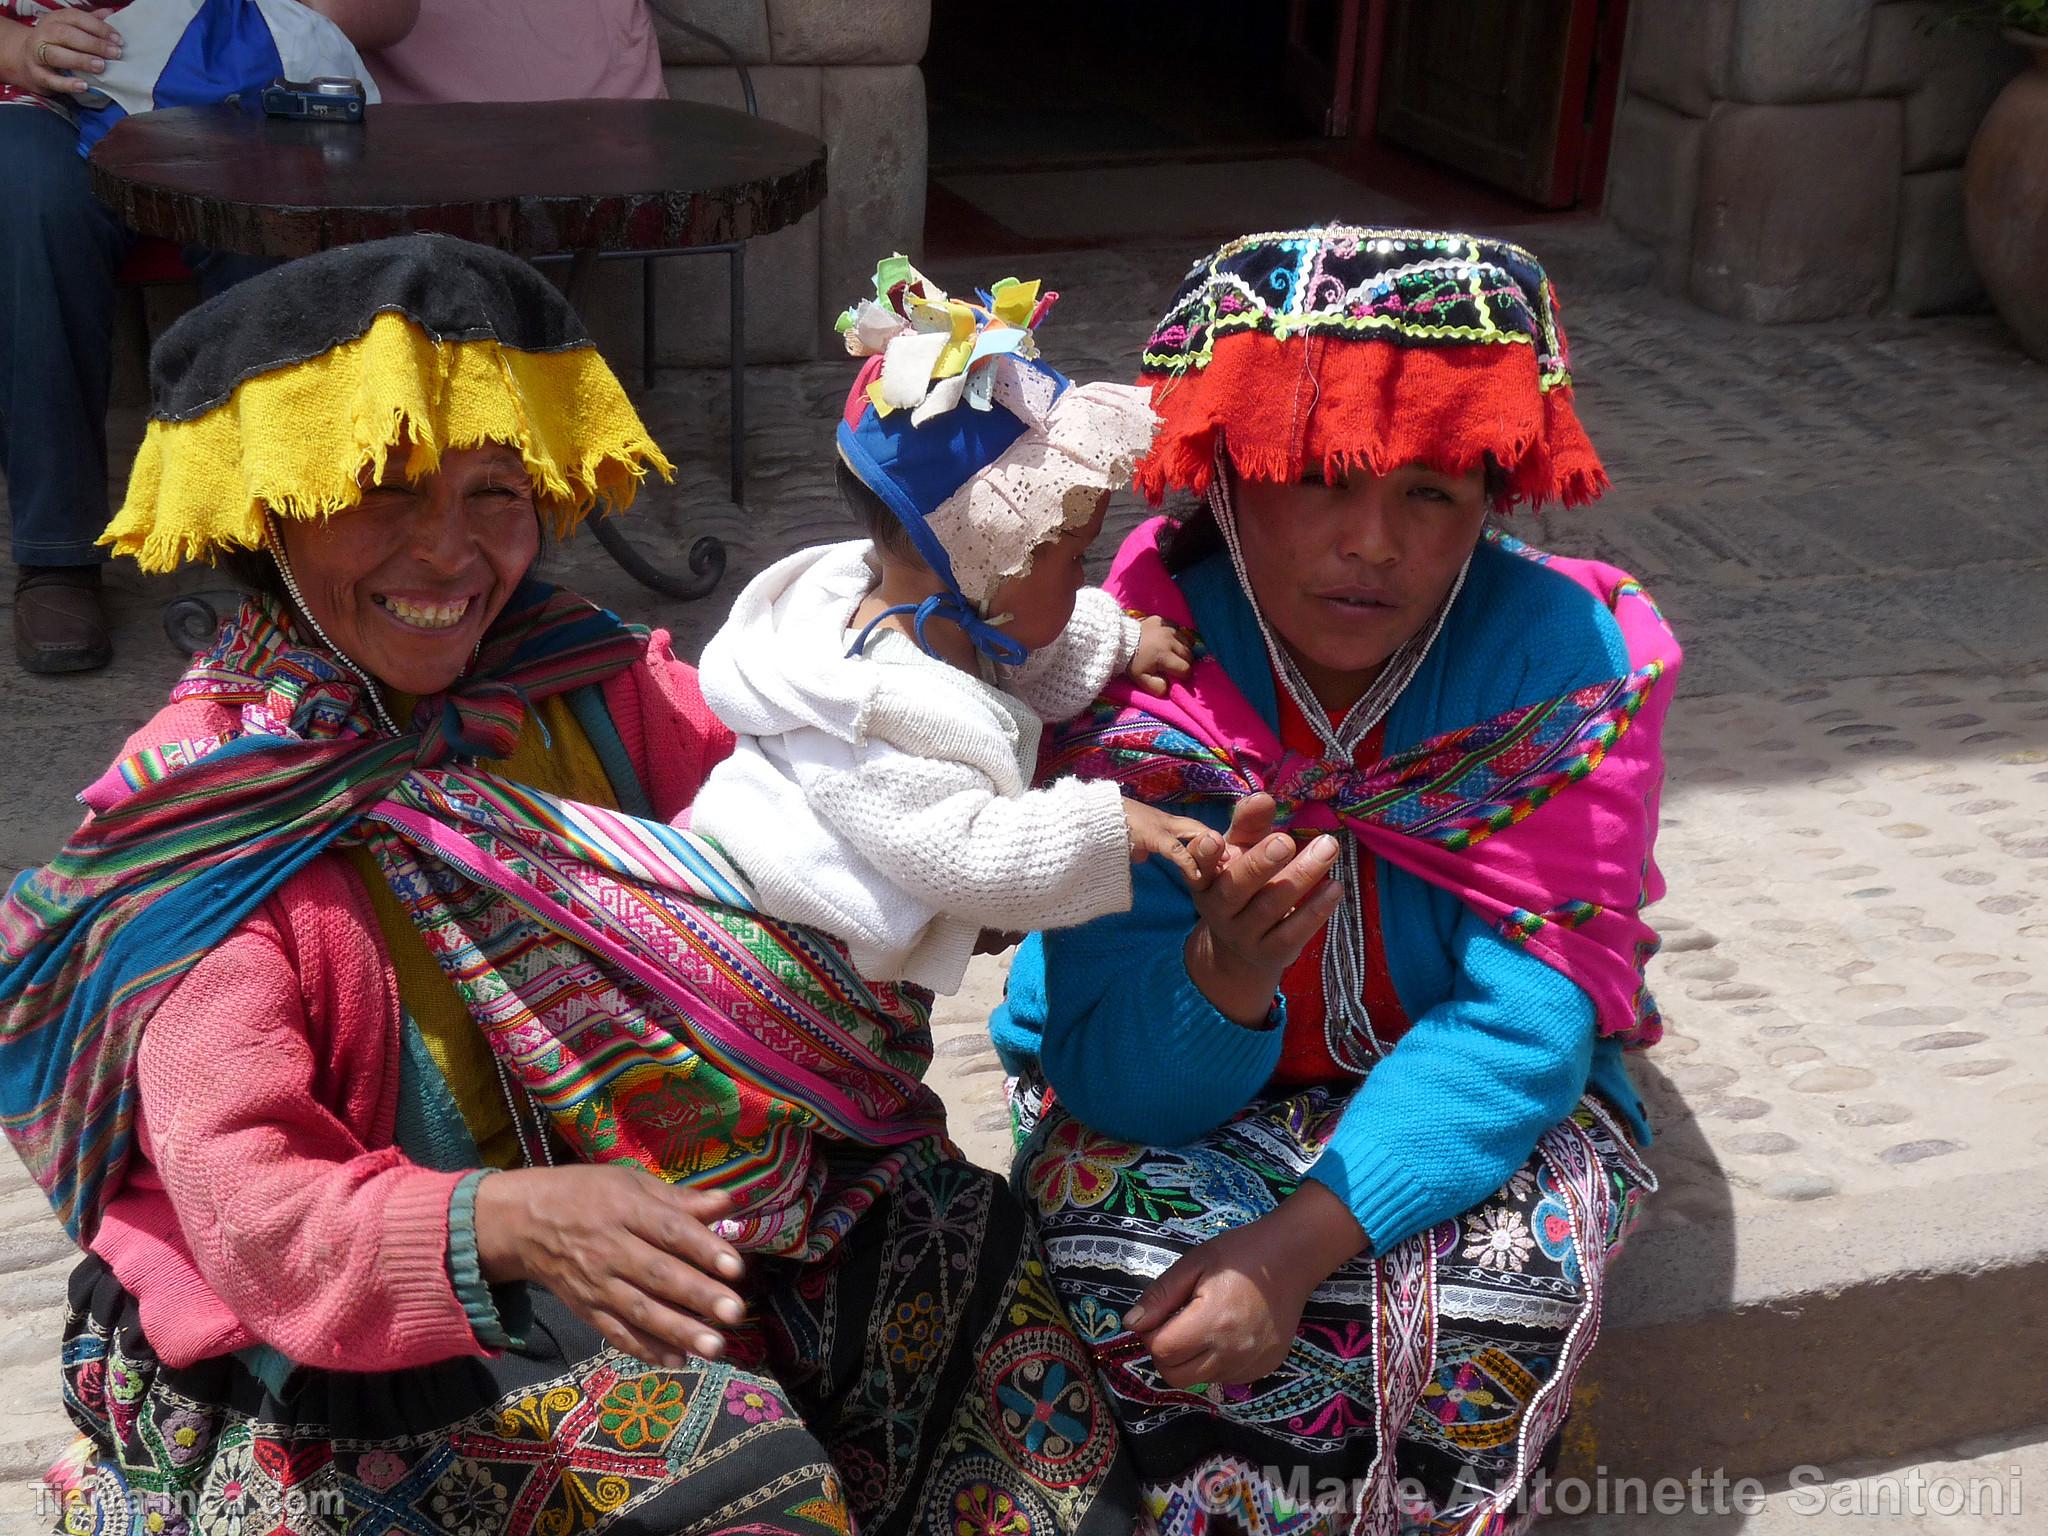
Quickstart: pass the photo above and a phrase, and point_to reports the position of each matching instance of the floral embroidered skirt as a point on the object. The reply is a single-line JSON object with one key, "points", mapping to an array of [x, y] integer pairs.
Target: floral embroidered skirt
{"points": [[1426, 1387], [922, 1379]]}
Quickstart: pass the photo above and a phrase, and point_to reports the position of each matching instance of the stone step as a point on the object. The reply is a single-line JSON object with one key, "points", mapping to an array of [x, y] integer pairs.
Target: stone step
{"points": [[1996, 1487], [1814, 1336]]}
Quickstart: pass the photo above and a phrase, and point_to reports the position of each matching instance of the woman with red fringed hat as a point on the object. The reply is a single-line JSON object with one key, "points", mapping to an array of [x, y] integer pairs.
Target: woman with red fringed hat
{"points": [[1331, 1157]]}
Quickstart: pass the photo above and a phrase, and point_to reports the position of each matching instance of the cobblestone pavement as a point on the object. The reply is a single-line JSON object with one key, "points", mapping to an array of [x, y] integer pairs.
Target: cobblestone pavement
{"points": [[1854, 953], [1846, 523]]}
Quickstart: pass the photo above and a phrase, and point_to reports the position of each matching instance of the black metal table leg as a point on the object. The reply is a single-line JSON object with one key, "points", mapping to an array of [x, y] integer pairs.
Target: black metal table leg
{"points": [[707, 562], [649, 309], [191, 622], [736, 375], [707, 553]]}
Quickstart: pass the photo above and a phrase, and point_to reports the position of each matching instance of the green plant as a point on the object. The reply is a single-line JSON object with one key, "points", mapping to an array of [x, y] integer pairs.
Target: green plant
{"points": [[2025, 15]]}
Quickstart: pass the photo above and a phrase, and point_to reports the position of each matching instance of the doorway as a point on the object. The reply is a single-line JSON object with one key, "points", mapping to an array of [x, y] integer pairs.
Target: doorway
{"points": [[1184, 119], [1095, 82], [1519, 94]]}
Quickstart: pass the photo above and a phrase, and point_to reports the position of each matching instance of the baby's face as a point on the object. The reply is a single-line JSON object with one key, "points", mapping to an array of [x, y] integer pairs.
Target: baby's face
{"points": [[1041, 601]]}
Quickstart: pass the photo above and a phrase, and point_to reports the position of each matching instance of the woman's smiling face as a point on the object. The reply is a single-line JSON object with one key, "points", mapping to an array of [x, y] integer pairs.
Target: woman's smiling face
{"points": [[407, 582], [1347, 573]]}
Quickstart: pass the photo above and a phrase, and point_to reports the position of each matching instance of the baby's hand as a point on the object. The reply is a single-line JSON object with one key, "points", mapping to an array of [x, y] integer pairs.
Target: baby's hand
{"points": [[1163, 655], [1195, 849]]}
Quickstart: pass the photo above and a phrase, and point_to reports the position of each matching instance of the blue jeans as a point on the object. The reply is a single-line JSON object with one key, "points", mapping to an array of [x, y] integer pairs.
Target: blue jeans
{"points": [[60, 250]]}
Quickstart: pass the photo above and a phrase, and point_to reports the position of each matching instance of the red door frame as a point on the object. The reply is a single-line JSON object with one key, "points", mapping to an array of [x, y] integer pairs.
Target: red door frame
{"points": [[1338, 119], [1580, 175], [1599, 137], [1372, 62]]}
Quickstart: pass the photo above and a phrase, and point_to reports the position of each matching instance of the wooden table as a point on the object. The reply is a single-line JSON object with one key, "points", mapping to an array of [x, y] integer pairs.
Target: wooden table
{"points": [[585, 179]]}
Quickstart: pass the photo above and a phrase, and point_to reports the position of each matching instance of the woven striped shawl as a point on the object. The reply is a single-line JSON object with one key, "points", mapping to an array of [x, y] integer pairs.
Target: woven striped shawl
{"points": [[614, 964]]}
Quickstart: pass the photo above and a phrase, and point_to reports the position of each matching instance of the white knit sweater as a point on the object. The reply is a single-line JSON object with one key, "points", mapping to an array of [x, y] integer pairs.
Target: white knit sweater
{"points": [[884, 798]]}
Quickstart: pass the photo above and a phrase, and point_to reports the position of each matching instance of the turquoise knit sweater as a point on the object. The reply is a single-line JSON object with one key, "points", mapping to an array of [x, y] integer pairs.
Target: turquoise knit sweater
{"points": [[1501, 1047]]}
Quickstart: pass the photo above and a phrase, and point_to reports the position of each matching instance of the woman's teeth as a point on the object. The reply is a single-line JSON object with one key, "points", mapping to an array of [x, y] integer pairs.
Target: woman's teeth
{"points": [[425, 615]]}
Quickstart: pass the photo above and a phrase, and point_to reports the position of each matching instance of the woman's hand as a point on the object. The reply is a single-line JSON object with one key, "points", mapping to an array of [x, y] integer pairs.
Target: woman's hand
{"points": [[628, 1254], [1194, 849], [35, 58], [1162, 657], [1269, 899], [1228, 1311]]}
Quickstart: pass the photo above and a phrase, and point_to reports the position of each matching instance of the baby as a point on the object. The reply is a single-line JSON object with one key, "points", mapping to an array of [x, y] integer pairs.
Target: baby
{"points": [[889, 693]]}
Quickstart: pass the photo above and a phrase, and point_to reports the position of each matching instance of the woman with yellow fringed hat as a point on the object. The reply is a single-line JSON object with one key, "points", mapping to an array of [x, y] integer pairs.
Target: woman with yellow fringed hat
{"points": [[298, 1030]]}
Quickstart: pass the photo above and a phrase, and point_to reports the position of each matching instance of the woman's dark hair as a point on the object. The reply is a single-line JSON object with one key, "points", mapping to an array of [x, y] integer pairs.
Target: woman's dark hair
{"points": [[255, 571], [1195, 535], [883, 527]]}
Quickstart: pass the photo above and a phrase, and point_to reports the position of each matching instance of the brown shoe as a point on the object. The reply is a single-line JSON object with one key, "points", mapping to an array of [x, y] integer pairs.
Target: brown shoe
{"points": [[59, 625]]}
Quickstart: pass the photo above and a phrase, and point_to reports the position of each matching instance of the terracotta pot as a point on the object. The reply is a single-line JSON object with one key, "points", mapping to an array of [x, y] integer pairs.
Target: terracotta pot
{"points": [[2005, 194]]}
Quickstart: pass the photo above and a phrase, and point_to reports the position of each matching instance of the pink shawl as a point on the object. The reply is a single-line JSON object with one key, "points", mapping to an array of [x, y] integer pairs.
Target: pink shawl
{"points": [[1542, 820]]}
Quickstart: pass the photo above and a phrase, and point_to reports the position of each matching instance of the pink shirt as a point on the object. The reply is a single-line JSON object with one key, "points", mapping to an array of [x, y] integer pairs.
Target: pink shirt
{"points": [[268, 1204], [523, 50]]}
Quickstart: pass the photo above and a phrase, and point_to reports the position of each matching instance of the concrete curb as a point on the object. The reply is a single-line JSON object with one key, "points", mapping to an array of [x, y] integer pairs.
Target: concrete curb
{"points": [[1809, 1354]]}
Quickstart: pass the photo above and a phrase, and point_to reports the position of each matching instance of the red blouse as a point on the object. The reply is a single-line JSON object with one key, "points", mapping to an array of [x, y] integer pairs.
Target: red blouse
{"points": [[1305, 1058]]}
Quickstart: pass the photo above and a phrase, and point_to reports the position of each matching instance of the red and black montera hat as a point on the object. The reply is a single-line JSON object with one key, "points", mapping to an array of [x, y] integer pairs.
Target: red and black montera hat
{"points": [[1344, 346]]}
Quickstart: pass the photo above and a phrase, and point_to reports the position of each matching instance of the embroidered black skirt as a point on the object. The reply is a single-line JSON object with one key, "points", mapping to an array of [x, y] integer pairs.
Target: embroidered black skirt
{"points": [[1425, 1389], [922, 1379]]}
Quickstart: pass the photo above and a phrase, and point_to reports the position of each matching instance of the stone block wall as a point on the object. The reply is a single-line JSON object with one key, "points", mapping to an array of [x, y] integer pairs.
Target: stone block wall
{"points": [[1802, 159], [847, 73]]}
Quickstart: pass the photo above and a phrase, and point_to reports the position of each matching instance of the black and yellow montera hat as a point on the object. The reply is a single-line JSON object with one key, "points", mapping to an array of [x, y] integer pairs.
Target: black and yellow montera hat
{"points": [[275, 397]]}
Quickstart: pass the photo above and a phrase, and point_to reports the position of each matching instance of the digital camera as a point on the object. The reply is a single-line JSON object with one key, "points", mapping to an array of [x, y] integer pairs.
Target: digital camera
{"points": [[329, 99]]}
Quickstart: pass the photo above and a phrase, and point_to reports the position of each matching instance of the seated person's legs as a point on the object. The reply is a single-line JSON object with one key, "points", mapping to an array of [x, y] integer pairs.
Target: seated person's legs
{"points": [[59, 252]]}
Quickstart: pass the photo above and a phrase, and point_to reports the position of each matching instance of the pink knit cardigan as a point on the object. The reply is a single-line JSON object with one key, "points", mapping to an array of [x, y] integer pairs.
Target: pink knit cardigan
{"points": [[268, 1204]]}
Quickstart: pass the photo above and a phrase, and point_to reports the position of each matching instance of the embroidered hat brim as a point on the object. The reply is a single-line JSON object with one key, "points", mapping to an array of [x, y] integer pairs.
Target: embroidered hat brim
{"points": [[1347, 346]]}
